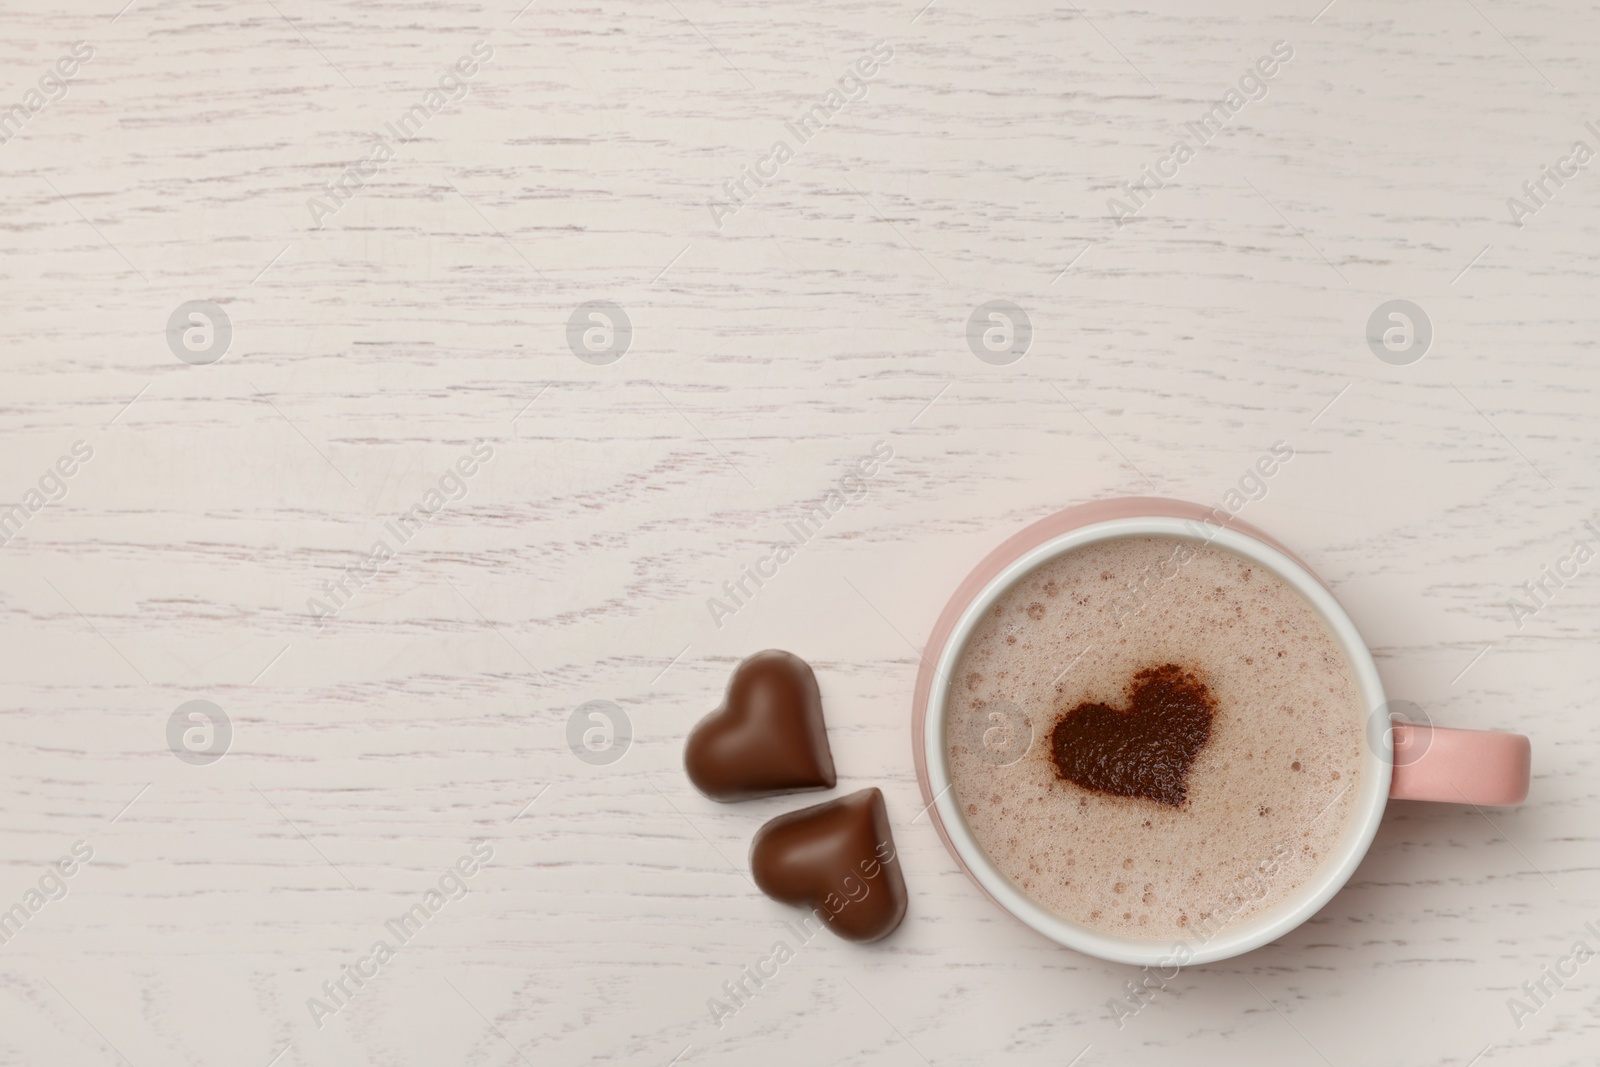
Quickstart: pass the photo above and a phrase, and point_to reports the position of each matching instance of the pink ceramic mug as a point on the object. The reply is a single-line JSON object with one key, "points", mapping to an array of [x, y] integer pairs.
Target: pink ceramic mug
{"points": [[1402, 762]]}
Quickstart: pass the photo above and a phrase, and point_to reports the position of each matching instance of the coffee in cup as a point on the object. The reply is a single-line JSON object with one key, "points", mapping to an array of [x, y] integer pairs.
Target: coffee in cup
{"points": [[1153, 737]]}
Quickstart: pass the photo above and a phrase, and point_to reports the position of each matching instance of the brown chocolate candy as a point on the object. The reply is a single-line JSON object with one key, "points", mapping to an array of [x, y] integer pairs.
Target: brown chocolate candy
{"points": [[1145, 751], [838, 859], [767, 738]]}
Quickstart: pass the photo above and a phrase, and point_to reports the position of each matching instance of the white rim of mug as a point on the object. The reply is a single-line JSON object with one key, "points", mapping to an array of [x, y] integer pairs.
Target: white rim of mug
{"points": [[1231, 941]]}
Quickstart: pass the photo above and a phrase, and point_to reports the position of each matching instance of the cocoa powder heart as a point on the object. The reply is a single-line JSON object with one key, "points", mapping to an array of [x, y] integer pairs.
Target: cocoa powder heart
{"points": [[1145, 750], [838, 859], [768, 737]]}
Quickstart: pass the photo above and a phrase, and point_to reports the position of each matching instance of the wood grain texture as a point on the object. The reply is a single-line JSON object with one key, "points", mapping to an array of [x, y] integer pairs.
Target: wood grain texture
{"points": [[829, 313]]}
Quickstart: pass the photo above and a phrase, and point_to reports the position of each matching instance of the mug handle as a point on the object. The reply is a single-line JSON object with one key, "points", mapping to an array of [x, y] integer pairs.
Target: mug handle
{"points": [[1459, 766]]}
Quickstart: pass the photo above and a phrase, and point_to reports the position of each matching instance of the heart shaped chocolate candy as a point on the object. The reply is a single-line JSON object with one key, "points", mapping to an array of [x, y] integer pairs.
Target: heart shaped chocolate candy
{"points": [[1145, 750], [838, 859], [767, 738]]}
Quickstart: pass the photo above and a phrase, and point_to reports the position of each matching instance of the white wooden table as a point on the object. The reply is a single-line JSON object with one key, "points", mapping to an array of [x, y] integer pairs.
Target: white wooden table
{"points": [[770, 347]]}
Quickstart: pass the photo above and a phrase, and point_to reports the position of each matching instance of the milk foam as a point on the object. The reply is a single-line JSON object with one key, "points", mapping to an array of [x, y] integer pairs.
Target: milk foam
{"points": [[1270, 794]]}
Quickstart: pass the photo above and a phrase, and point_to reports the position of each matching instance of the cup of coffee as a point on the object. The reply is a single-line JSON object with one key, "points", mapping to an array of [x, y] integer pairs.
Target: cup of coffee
{"points": [[1150, 732]]}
